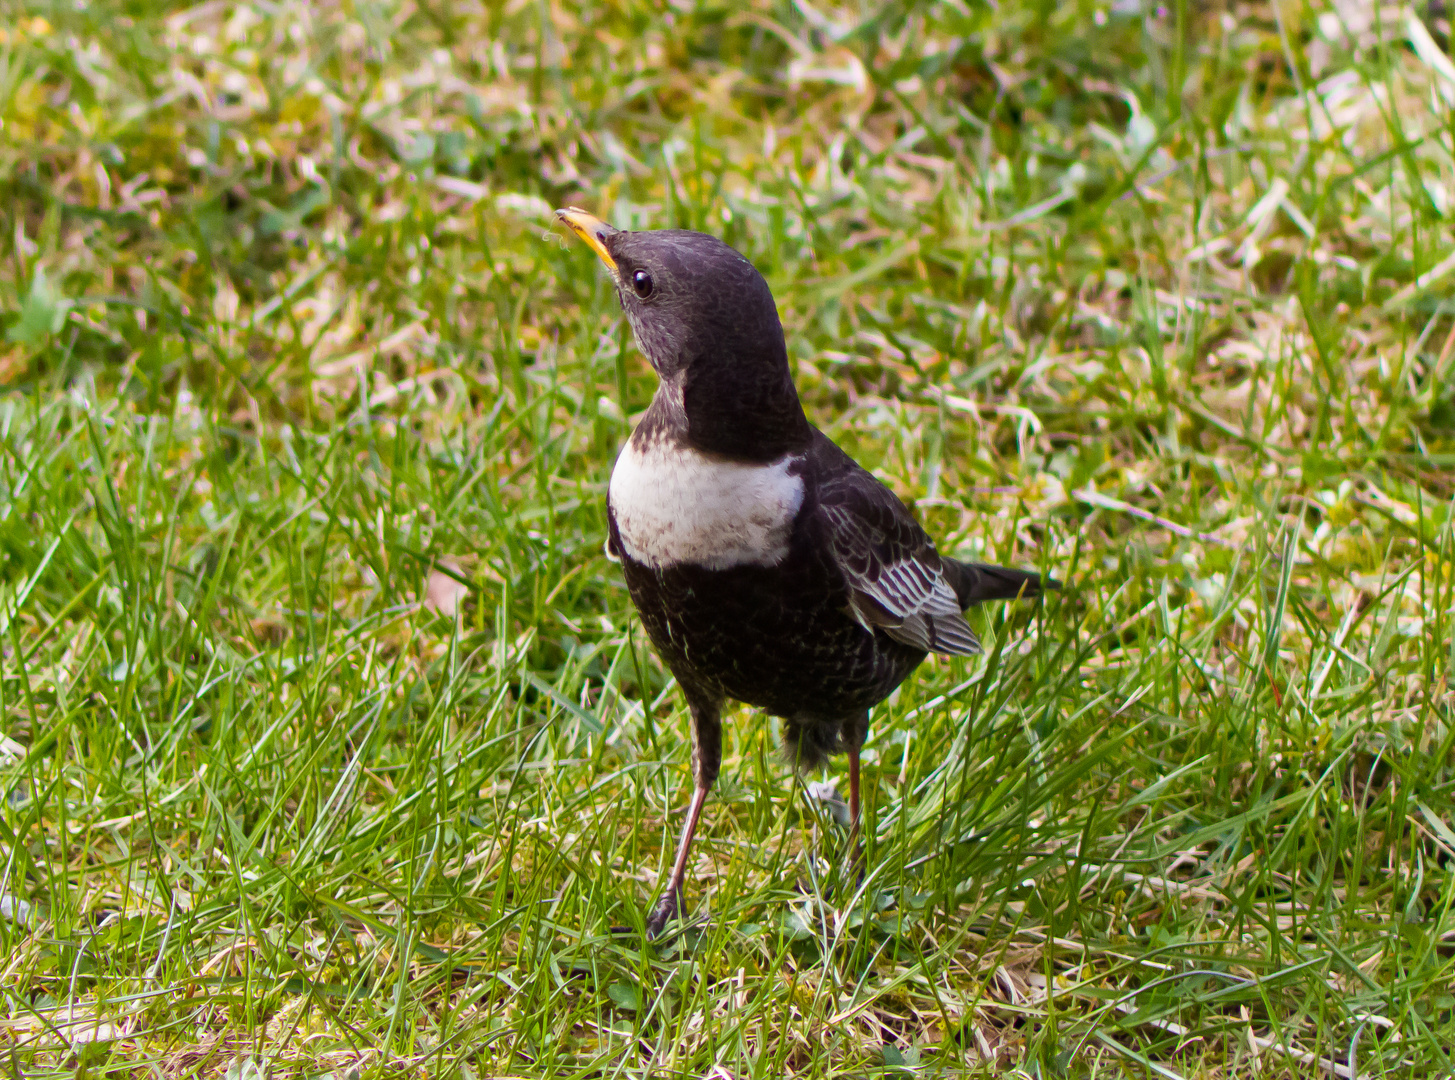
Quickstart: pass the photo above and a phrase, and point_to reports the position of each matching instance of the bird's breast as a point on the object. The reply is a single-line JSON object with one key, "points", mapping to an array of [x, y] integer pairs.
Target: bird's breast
{"points": [[675, 506]]}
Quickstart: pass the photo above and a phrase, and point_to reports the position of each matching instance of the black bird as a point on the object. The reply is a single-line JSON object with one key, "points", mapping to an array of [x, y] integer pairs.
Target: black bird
{"points": [[767, 565]]}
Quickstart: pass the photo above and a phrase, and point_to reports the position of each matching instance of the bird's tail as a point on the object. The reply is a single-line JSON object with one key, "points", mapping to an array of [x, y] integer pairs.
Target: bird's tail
{"points": [[974, 582]]}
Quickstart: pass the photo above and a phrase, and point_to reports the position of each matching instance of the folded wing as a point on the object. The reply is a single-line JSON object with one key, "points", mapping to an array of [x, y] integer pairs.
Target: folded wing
{"points": [[896, 579]]}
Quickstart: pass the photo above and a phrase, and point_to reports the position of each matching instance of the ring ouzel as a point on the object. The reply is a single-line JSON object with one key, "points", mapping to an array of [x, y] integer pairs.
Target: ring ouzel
{"points": [[767, 565]]}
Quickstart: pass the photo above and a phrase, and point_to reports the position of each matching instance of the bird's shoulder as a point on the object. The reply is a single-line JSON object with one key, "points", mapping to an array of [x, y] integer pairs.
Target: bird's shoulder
{"points": [[856, 506]]}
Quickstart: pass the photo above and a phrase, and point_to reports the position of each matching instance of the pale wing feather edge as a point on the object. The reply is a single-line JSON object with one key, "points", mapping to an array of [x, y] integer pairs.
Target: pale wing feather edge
{"points": [[909, 599]]}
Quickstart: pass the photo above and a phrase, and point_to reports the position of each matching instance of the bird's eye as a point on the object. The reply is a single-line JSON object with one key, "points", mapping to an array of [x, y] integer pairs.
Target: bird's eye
{"points": [[642, 283]]}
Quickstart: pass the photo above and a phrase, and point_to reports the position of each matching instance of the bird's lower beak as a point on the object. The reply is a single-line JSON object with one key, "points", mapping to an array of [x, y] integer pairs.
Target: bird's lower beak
{"points": [[591, 229]]}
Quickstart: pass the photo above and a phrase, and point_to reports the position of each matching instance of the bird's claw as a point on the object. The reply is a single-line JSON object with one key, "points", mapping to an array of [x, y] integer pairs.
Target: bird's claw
{"points": [[667, 908]]}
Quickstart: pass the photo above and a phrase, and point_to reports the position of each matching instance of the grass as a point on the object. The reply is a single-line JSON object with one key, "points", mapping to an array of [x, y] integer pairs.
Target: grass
{"points": [[331, 742]]}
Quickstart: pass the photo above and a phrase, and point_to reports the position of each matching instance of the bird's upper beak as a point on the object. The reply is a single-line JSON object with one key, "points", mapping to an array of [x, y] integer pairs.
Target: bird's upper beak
{"points": [[591, 229]]}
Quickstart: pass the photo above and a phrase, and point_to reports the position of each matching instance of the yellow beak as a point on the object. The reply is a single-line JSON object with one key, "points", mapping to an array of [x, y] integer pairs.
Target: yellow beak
{"points": [[591, 229]]}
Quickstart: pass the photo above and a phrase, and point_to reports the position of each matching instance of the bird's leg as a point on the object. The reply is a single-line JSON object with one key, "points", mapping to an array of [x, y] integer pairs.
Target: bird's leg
{"points": [[706, 758], [855, 731]]}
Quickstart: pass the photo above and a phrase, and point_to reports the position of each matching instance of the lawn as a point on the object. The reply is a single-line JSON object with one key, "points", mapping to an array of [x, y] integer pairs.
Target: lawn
{"points": [[331, 743]]}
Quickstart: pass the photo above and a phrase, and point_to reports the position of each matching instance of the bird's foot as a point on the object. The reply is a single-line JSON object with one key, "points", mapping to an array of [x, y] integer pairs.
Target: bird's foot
{"points": [[834, 890], [845, 881], [668, 907], [827, 795]]}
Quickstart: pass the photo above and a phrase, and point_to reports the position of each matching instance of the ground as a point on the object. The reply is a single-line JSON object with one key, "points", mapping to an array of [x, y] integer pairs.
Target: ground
{"points": [[331, 744]]}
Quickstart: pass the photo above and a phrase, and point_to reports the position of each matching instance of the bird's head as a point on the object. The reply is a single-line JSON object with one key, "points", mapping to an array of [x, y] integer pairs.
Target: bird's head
{"points": [[706, 321]]}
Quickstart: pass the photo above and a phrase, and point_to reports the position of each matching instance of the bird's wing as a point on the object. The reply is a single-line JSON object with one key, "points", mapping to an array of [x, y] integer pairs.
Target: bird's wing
{"points": [[896, 580]]}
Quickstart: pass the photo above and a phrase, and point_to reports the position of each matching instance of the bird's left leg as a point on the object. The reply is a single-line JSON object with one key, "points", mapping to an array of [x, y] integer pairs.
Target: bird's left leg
{"points": [[706, 759]]}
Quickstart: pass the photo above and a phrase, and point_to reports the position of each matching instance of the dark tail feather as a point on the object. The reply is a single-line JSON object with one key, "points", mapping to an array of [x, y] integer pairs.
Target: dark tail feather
{"points": [[974, 582]]}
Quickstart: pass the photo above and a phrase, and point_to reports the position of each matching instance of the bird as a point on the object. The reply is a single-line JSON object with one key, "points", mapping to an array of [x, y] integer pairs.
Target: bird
{"points": [[767, 566]]}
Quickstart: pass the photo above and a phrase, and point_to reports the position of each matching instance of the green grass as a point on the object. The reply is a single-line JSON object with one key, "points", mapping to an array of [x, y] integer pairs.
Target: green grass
{"points": [[1156, 301]]}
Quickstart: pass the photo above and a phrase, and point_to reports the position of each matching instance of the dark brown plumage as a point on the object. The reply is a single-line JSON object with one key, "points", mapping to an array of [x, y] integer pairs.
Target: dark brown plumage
{"points": [[767, 565]]}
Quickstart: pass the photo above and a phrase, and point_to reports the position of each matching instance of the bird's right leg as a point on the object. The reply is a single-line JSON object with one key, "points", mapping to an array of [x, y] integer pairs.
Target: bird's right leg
{"points": [[854, 732], [706, 759]]}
